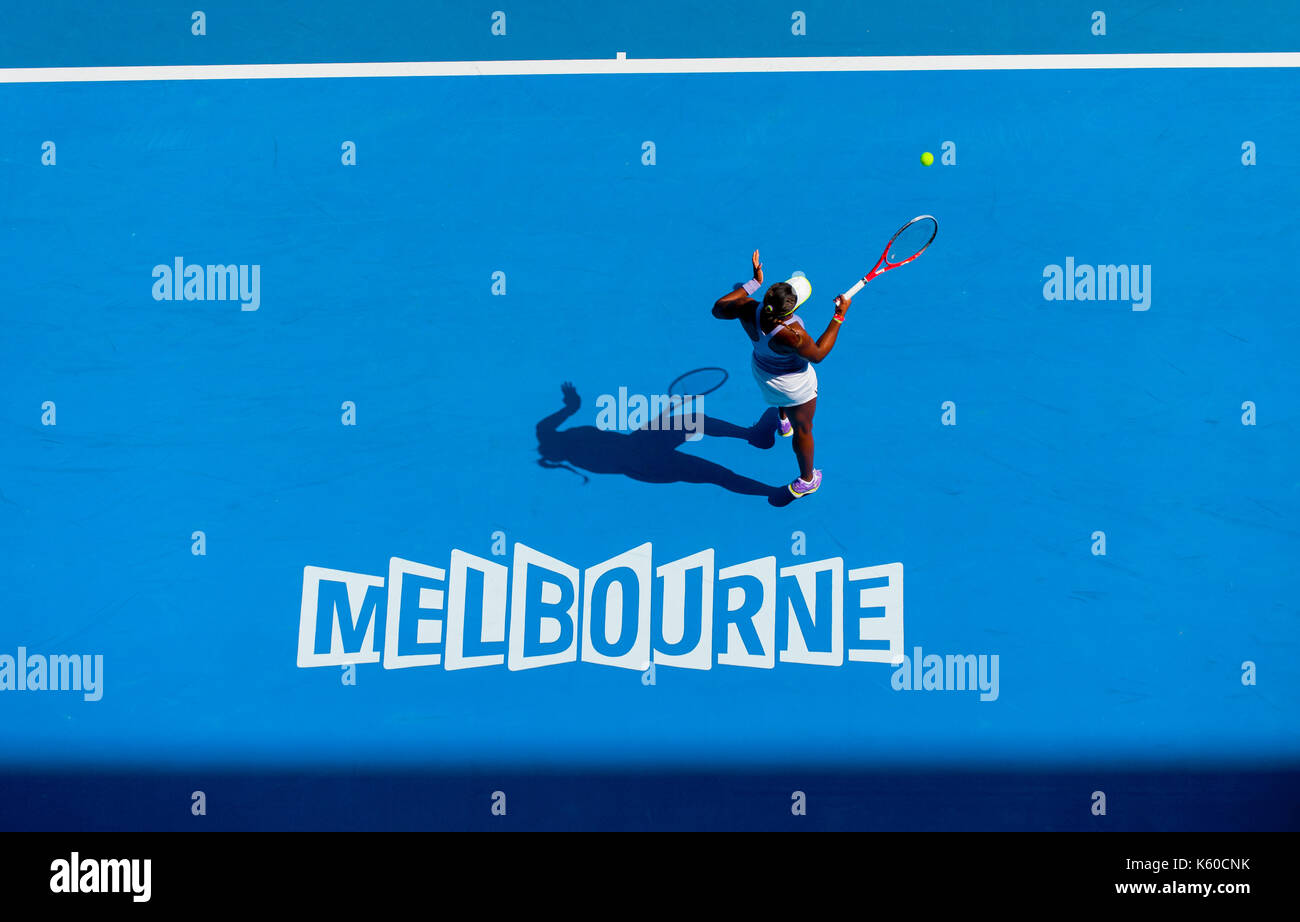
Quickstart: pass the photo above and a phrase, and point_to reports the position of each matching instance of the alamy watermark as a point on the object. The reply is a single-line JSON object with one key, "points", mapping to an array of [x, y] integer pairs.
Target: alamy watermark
{"points": [[1098, 283], [953, 672], [625, 412], [75, 874], [55, 672], [194, 282]]}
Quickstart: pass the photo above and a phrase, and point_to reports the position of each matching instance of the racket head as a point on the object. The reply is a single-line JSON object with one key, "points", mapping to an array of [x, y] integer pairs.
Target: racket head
{"points": [[910, 241]]}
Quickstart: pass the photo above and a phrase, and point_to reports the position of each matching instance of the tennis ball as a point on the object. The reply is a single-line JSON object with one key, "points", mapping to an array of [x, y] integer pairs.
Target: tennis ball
{"points": [[927, 158]]}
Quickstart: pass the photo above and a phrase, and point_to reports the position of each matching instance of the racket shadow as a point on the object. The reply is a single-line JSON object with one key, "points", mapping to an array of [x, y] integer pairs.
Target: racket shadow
{"points": [[649, 454]]}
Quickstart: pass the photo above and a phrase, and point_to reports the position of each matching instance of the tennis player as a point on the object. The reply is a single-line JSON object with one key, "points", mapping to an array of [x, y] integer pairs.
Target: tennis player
{"points": [[784, 353]]}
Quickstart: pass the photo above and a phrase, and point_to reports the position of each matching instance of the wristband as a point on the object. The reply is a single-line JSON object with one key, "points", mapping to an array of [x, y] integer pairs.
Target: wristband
{"points": [[751, 286], [838, 318]]}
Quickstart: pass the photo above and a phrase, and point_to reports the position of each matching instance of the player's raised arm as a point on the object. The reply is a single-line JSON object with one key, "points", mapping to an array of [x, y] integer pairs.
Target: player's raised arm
{"points": [[731, 305]]}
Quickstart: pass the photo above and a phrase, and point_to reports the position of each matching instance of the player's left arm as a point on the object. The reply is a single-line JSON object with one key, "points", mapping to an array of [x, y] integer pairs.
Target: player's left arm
{"points": [[733, 305]]}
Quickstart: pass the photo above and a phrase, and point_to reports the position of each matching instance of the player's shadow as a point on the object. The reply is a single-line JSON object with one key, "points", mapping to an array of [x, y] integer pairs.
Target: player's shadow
{"points": [[650, 454]]}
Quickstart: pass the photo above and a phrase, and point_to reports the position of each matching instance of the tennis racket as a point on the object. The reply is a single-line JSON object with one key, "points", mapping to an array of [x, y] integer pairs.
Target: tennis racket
{"points": [[910, 242]]}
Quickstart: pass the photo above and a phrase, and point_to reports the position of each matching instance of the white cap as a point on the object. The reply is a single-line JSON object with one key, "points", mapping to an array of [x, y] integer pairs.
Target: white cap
{"points": [[802, 289]]}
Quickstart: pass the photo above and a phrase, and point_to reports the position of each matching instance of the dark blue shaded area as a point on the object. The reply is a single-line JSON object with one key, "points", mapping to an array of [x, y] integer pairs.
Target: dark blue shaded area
{"points": [[883, 801]]}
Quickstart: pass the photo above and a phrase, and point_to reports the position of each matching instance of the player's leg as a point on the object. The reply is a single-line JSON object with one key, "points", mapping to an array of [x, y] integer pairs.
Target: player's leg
{"points": [[801, 418]]}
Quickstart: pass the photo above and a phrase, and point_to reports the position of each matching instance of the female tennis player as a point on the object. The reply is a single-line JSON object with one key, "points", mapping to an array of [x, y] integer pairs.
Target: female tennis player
{"points": [[784, 353]]}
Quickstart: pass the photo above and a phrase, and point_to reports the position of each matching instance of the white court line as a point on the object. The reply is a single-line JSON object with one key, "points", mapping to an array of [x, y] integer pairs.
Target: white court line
{"points": [[930, 62]]}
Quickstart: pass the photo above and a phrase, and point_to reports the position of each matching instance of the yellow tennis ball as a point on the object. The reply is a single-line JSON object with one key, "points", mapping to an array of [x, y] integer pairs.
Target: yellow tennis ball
{"points": [[927, 158]]}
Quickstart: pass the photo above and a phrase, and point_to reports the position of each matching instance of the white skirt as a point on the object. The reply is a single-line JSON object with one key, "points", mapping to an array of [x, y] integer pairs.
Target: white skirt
{"points": [[790, 390]]}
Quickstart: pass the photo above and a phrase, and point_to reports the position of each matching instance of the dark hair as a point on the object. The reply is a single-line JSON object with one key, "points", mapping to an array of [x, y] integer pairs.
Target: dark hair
{"points": [[780, 298]]}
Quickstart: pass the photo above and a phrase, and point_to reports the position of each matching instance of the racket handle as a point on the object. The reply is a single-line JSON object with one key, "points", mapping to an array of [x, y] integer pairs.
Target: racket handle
{"points": [[855, 289]]}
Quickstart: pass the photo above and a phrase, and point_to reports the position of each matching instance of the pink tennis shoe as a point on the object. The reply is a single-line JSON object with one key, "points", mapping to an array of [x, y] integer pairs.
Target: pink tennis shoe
{"points": [[800, 487]]}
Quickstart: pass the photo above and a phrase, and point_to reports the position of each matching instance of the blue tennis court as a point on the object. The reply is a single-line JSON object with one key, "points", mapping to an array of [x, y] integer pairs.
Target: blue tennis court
{"points": [[287, 442]]}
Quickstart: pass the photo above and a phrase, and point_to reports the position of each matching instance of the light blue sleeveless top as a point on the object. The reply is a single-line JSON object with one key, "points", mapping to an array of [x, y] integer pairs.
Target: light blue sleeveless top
{"points": [[768, 360]]}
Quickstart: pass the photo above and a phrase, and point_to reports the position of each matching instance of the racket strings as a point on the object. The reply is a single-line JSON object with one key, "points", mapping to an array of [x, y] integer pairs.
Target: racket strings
{"points": [[909, 242]]}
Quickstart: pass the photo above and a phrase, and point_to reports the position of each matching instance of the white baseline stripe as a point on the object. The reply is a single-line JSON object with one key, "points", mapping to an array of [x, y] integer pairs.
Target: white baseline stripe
{"points": [[653, 66]]}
